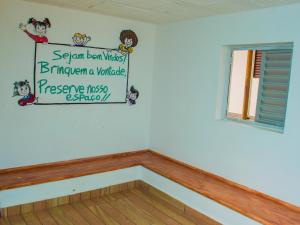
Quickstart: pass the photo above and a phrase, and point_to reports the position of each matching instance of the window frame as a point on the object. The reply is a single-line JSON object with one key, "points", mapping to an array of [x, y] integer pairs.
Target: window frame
{"points": [[269, 46]]}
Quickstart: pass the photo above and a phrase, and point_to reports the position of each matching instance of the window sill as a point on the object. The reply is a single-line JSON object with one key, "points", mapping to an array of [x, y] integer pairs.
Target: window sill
{"points": [[256, 124]]}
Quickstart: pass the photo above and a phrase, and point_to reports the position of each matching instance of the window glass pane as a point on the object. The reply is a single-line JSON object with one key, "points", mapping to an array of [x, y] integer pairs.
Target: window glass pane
{"points": [[237, 84]]}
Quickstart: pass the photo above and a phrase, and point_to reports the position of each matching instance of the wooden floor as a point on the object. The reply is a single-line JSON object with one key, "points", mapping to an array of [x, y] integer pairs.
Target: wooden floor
{"points": [[132, 207]]}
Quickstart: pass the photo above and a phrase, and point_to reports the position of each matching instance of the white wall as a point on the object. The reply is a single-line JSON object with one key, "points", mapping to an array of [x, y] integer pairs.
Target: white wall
{"points": [[189, 71], [38, 134]]}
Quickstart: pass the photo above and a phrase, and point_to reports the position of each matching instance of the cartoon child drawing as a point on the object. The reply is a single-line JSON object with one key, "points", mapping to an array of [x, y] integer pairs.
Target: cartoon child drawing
{"points": [[23, 89], [80, 39], [129, 40], [132, 96], [40, 28]]}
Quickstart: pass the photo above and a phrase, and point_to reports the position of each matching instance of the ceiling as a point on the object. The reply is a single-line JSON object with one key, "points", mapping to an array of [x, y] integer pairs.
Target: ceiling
{"points": [[164, 11]]}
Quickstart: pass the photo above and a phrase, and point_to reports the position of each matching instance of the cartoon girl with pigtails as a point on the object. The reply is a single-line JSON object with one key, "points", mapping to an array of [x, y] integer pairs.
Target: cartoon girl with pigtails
{"points": [[22, 88], [40, 29]]}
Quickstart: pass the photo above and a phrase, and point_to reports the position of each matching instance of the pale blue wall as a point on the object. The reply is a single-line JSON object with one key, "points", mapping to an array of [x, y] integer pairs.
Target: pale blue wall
{"points": [[187, 87], [38, 134]]}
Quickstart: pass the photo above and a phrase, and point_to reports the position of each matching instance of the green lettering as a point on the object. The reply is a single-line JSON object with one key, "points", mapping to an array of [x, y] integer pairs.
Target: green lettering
{"points": [[44, 67], [56, 52], [41, 83]]}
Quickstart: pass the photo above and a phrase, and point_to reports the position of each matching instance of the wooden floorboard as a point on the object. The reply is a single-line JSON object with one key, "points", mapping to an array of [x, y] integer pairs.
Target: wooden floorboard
{"points": [[132, 207], [31, 219], [16, 220], [161, 200], [90, 217], [101, 214], [131, 213], [163, 207], [46, 218], [256, 205], [113, 212], [4, 221], [151, 210], [59, 216], [75, 218], [139, 211]]}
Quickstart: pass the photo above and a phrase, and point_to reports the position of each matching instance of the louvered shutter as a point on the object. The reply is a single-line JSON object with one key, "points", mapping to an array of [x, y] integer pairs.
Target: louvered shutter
{"points": [[257, 63], [273, 87]]}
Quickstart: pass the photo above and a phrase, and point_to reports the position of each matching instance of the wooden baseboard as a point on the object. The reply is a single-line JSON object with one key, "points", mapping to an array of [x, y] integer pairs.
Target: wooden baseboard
{"points": [[253, 204], [226, 181], [42, 173], [66, 163]]}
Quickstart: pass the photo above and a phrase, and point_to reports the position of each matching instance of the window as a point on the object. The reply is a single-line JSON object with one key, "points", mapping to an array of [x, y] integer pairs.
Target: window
{"points": [[259, 84]]}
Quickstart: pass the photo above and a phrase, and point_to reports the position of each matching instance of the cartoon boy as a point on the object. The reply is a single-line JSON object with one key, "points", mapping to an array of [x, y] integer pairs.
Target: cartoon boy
{"points": [[129, 40], [80, 39], [132, 96]]}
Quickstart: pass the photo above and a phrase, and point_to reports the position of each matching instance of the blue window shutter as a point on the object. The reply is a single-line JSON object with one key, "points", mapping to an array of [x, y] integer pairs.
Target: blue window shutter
{"points": [[273, 87]]}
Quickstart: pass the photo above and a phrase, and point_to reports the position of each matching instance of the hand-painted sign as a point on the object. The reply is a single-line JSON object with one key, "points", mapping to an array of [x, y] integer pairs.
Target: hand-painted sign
{"points": [[66, 74]]}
